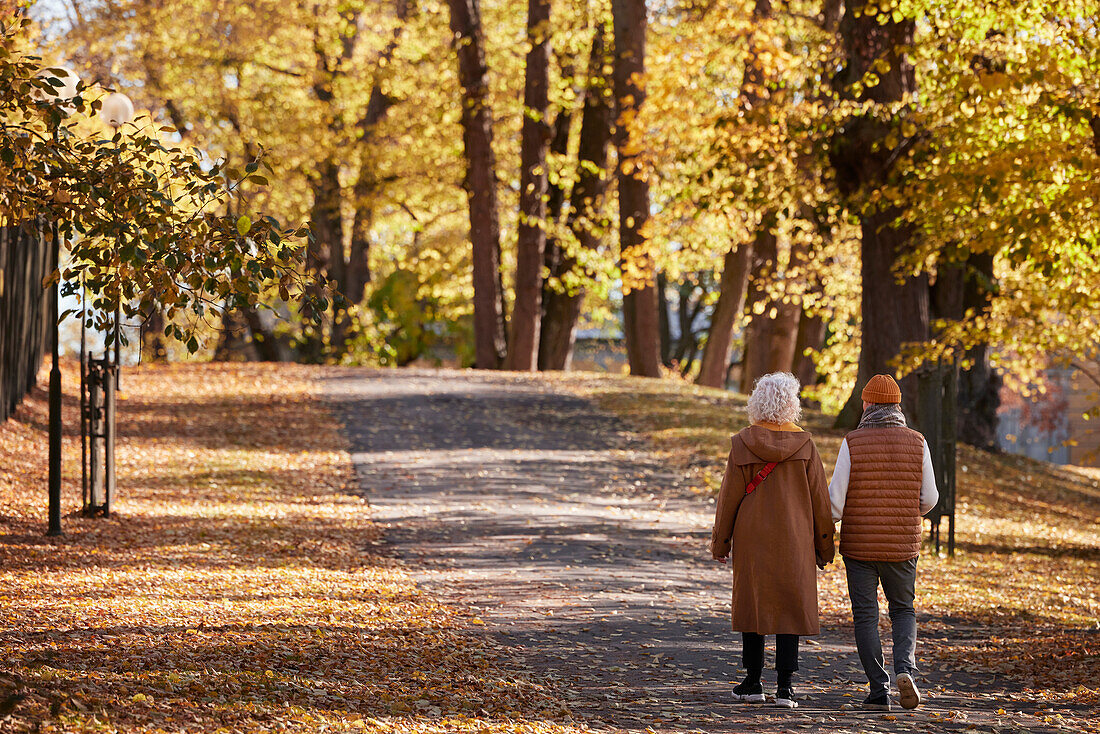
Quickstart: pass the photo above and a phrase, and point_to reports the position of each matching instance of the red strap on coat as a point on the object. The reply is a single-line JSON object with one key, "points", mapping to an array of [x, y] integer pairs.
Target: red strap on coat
{"points": [[761, 476]]}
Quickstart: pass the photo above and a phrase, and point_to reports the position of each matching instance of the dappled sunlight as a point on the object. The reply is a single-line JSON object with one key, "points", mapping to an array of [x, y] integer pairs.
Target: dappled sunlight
{"points": [[237, 585], [1027, 564]]}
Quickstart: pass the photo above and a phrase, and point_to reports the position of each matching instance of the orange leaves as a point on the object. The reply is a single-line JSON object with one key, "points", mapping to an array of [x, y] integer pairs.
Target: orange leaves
{"points": [[1022, 597], [236, 588]]}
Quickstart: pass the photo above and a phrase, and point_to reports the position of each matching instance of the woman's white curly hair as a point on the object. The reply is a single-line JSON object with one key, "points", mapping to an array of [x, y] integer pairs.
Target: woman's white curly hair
{"points": [[774, 399]]}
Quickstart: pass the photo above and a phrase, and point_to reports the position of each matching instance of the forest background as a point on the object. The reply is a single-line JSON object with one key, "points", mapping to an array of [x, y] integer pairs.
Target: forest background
{"points": [[831, 188]]}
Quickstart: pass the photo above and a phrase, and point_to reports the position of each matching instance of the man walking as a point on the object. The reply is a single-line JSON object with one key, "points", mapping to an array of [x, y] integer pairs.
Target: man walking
{"points": [[882, 484]]}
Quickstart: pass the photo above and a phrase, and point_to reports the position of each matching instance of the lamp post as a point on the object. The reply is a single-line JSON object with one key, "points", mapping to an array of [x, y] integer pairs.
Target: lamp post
{"points": [[117, 110], [66, 91]]}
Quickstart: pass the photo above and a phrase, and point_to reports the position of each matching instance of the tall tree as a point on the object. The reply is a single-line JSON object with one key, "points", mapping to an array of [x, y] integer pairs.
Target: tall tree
{"points": [[480, 183], [877, 71], [640, 316], [584, 213], [736, 264], [523, 346]]}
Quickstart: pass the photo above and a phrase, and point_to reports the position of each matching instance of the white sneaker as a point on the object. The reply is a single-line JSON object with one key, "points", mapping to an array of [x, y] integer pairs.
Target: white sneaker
{"points": [[784, 699], [907, 692], [749, 693]]}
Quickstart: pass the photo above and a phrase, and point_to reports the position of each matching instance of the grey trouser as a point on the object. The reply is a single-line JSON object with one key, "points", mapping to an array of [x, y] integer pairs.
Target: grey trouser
{"points": [[898, 580]]}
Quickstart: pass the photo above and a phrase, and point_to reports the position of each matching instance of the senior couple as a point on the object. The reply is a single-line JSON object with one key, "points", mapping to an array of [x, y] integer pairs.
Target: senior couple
{"points": [[775, 518]]}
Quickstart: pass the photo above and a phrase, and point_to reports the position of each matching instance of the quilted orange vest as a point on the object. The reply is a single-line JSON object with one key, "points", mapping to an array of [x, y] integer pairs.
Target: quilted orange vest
{"points": [[882, 520]]}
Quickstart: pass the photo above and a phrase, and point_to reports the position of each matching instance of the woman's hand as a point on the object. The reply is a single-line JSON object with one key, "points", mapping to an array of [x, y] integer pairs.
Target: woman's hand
{"points": [[723, 559]]}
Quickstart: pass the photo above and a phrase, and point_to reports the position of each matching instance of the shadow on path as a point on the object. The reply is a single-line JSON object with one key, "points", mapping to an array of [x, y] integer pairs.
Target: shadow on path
{"points": [[550, 522]]}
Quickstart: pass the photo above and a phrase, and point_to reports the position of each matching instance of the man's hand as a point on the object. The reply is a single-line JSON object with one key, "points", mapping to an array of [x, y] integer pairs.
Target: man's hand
{"points": [[723, 559]]}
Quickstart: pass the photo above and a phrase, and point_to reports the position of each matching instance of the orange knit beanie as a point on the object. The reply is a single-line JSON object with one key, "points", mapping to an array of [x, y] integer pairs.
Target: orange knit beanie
{"points": [[882, 389]]}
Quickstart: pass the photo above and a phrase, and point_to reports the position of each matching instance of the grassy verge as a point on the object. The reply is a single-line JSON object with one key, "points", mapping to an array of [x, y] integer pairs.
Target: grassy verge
{"points": [[235, 588], [1021, 597]]}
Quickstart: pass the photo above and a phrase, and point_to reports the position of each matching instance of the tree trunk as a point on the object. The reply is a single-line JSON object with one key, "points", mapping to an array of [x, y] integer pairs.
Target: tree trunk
{"points": [[758, 332], [358, 268], [585, 209], [555, 204], [892, 313], [480, 183], [325, 253], [640, 319], [783, 342], [523, 346], [233, 344], [264, 341], [980, 385], [735, 266], [811, 335], [731, 304], [26, 257], [154, 349], [663, 324], [379, 103]]}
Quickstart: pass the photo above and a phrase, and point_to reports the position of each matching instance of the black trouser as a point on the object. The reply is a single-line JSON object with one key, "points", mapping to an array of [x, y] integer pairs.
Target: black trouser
{"points": [[786, 652]]}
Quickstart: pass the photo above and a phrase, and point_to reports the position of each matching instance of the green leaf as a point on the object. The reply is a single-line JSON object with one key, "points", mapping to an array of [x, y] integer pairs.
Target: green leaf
{"points": [[243, 225]]}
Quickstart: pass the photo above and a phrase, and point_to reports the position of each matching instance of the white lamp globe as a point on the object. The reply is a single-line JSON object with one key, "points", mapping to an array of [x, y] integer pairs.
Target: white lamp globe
{"points": [[66, 90], [117, 109]]}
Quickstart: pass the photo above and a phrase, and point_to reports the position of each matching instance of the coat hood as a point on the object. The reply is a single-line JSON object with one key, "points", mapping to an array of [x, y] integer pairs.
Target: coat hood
{"points": [[769, 445]]}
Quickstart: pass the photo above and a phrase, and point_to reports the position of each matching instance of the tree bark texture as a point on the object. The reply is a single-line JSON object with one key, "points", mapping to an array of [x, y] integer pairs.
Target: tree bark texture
{"points": [[25, 259], [892, 313], [523, 344], [640, 318], [554, 254], [730, 306], [555, 205], [562, 309], [481, 183], [664, 326], [811, 335], [771, 334], [980, 385]]}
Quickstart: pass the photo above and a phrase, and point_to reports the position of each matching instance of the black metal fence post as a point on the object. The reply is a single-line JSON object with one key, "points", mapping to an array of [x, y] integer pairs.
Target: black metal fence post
{"points": [[937, 417], [55, 395]]}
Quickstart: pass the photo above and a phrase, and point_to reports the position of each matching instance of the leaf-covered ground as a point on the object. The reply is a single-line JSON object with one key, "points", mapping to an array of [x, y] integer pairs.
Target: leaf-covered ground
{"points": [[241, 585], [1021, 597], [236, 588]]}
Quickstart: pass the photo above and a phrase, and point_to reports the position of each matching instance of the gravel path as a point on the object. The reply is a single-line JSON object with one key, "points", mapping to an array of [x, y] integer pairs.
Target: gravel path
{"points": [[578, 552]]}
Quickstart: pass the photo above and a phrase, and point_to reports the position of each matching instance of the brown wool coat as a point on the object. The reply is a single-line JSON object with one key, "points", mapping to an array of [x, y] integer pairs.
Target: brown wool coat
{"points": [[776, 534]]}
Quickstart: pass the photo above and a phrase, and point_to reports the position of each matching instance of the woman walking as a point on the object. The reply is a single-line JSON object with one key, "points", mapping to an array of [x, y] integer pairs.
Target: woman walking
{"points": [[774, 518]]}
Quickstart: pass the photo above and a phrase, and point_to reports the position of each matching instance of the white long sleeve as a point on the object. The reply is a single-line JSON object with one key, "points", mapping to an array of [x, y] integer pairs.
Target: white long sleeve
{"points": [[838, 485], [929, 495]]}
